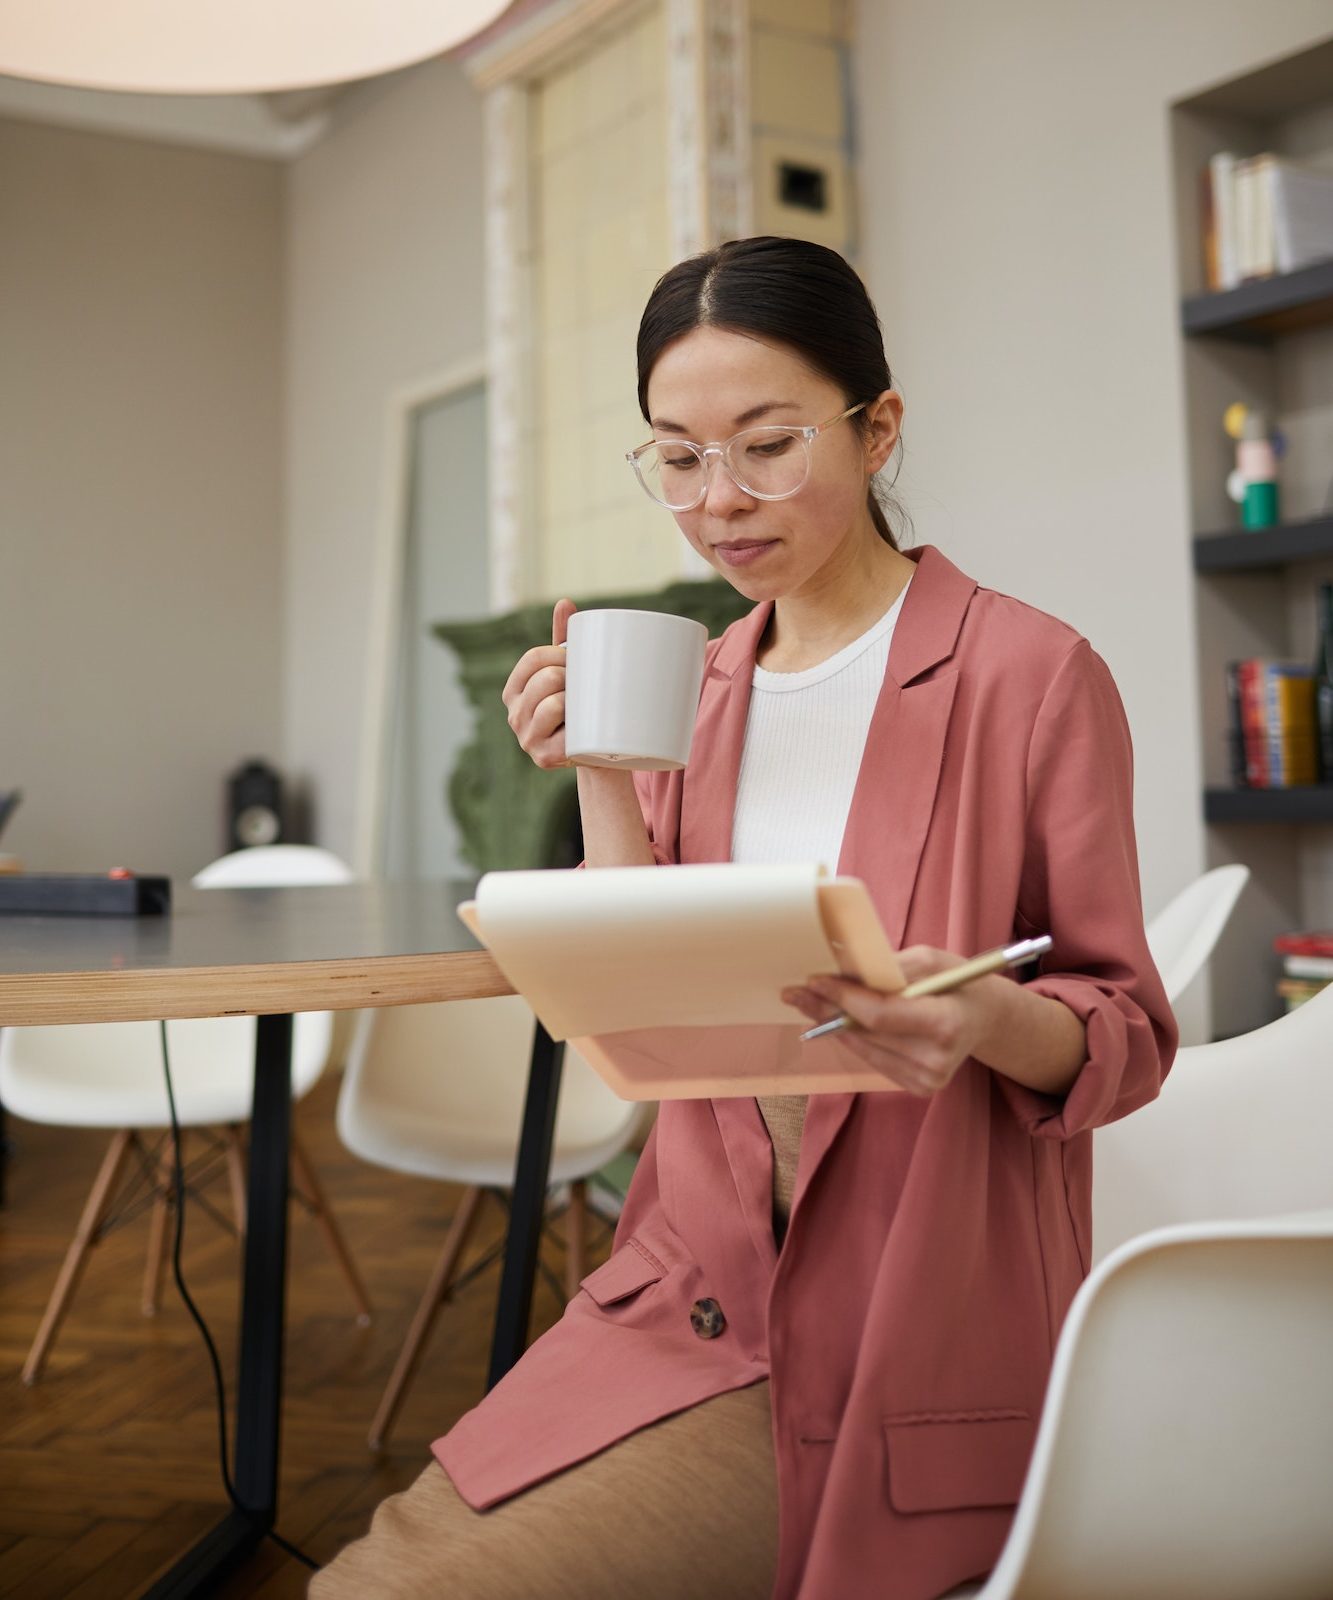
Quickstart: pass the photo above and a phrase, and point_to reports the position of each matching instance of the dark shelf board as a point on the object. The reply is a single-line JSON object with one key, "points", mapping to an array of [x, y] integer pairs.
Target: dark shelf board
{"points": [[1264, 308], [1269, 805], [1252, 548]]}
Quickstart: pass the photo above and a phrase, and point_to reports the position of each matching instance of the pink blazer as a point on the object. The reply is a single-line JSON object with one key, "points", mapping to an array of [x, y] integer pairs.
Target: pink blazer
{"points": [[909, 1322]]}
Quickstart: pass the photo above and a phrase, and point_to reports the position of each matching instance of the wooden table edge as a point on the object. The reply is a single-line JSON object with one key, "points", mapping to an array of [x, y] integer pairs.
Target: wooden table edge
{"points": [[272, 988]]}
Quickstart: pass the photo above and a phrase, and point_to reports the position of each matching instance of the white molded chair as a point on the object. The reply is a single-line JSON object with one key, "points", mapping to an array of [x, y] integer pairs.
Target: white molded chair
{"points": [[1242, 1128], [437, 1091], [1185, 1450], [1182, 935], [109, 1075]]}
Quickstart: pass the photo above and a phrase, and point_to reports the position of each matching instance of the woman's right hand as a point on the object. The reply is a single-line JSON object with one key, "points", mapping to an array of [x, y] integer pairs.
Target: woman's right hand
{"points": [[534, 694]]}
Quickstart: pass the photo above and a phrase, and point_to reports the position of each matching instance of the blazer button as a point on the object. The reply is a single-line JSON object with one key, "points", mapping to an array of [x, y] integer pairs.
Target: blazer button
{"points": [[706, 1318]]}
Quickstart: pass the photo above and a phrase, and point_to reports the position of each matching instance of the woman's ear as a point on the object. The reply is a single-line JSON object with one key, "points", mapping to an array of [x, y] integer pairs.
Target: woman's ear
{"points": [[884, 415]]}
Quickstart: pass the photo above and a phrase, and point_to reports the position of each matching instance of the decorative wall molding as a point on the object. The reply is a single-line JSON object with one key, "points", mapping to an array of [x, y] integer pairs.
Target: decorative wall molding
{"points": [[708, 141], [708, 123], [509, 330]]}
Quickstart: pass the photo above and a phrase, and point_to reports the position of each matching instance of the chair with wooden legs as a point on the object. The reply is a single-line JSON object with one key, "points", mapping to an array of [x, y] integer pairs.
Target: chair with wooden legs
{"points": [[437, 1091], [109, 1075]]}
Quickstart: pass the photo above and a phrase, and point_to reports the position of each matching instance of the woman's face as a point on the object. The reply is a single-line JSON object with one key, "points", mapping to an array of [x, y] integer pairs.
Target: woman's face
{"points": [[710, 384]]}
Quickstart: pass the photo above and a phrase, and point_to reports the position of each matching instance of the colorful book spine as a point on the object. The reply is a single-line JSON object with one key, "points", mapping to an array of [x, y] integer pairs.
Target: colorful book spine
{"points": [[1289, 724], [1253, 723], [1296, 991], [1272, 734], [1304, 944], [1307, 965], [1235, 729]]}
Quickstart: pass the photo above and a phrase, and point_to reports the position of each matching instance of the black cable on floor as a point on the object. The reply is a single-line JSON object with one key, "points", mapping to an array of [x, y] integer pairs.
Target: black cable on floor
{"points": [[178, 1178]]}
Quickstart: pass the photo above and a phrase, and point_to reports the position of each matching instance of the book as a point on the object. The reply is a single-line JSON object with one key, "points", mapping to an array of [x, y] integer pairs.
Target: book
{"points": [[1271, 724], [1263, 214], [1254, 729], [1245, 218], [1302, 214], [1308, 966], [668, 981], [1235, 728], [1220, 266], [1289, 724], [1304, 944], [1296, 991]]}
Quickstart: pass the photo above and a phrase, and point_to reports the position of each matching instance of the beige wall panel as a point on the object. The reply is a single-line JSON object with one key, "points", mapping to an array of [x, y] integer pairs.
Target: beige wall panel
{"points": [[826, 18], [796, 85], [599, 181]]}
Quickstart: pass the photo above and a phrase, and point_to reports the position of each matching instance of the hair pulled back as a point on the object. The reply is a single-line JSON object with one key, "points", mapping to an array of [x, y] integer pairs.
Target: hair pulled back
{"points": [[787, 291]]}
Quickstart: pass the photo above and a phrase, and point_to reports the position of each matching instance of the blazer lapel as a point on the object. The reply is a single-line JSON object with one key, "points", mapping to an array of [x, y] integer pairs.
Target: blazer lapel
{"points": [[886, 825], [707, 809], [896, 786], [711, 777]]}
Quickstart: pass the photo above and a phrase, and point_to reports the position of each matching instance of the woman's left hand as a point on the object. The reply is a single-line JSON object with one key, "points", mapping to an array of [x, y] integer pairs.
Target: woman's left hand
{"points": [[918, 1043]]}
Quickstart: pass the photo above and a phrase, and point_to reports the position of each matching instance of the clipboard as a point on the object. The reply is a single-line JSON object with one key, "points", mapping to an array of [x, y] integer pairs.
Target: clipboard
{"points": [[667, 980]]}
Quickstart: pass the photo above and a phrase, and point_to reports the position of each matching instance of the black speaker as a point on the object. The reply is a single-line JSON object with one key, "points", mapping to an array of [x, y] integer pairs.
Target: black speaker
{"points": [[254, 807]]}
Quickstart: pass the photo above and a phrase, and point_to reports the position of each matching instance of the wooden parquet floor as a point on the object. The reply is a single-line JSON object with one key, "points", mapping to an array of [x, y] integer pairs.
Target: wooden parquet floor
{"points": [[109, 1465]]}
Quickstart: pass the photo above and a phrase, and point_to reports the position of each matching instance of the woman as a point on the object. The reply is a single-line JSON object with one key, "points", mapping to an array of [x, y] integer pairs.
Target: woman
{"points": [[814, 1363]]}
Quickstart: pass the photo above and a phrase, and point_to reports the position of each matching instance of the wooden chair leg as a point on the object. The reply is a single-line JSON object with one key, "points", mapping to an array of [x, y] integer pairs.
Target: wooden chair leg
{"points": [[576, 1236], [330, 1229], [430, 1303], [95, 1208], [231, 1138], [164, 1206]]}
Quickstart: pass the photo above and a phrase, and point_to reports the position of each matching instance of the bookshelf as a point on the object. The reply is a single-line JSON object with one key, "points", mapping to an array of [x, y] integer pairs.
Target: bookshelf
{"points": [[1261, 310], [1268, 343], [1227, 550], [1268, 805]]}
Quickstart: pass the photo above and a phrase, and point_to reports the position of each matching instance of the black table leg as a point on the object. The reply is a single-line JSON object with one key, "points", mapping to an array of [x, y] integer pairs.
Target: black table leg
{"points": [[259, 1384], [529, 1205]]}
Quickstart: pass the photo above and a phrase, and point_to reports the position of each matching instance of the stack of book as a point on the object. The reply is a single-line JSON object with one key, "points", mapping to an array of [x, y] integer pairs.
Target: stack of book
{"points": [[1272, 721], [1262, 215], [1307, 965]]}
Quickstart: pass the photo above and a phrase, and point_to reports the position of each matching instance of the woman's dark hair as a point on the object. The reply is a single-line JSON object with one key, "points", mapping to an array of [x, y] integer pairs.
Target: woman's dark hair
{"points": [[789, 292]]}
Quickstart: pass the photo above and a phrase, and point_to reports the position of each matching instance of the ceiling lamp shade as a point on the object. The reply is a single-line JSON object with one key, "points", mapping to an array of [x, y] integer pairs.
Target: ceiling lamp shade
{"points": [[228, 46]]}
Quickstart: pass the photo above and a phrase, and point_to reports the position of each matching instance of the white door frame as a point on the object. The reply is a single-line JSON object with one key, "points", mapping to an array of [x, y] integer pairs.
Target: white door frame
{"points": [[385, 631]]}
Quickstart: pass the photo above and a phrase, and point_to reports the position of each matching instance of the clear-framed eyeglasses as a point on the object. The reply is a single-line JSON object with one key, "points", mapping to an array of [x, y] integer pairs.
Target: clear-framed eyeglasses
{"points": [[770, 462]]}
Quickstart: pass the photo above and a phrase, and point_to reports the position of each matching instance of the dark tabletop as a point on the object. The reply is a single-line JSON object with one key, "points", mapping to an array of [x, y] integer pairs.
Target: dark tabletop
{"points": [[247, 951]]}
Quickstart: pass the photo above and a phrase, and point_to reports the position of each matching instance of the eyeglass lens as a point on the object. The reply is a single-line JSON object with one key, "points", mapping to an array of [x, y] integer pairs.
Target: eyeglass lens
{"points": [[764, 461]]}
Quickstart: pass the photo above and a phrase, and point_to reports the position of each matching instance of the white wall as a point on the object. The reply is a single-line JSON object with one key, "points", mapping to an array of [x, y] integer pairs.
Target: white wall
{"points": [[1014, 171], [384, 288], [140, 501]]}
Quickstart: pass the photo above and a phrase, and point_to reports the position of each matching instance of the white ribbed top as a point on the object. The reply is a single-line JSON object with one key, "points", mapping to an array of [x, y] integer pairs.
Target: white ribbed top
{"points": [[804, 737]]}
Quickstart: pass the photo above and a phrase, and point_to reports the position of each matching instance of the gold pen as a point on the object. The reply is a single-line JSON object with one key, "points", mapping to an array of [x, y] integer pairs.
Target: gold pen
{"points": [[1005, 955]]}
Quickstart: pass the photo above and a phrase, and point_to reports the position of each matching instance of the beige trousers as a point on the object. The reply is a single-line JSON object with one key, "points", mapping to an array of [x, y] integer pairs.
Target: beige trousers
{"points": [[683, 1507]]}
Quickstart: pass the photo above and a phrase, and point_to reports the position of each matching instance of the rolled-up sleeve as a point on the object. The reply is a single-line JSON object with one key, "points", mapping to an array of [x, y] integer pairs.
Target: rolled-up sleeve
{"points": [[1080, 884]]}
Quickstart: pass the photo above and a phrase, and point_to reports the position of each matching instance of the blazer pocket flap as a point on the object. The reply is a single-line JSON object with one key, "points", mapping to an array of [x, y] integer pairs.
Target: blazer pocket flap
{"points": [[942, 1461], [628, 1271]]}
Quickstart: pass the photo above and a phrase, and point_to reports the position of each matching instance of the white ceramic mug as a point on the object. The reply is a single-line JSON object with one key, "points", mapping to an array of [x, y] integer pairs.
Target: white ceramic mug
{"points": [[632, 683]]}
